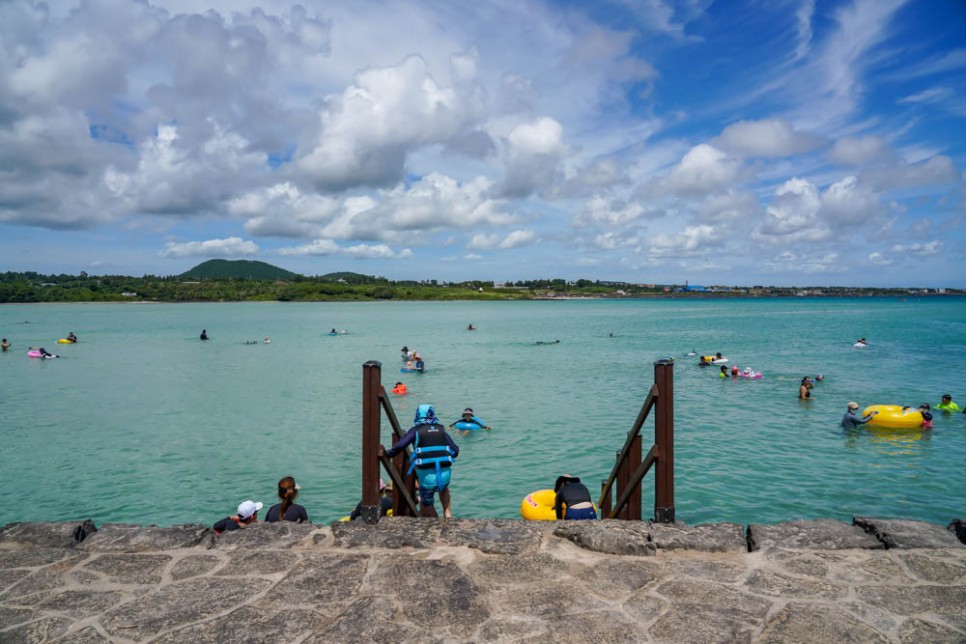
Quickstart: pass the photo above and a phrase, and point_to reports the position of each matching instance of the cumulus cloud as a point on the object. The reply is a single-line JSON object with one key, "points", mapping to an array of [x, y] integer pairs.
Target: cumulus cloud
{"points": [[534, 153], [514, 239], [793, 215], [435, 202], [769, 138], [365, 134], [328, 247], [230, 247], [691, 240], [859, 151], [703, 169], [937, 170], [600, 210]]}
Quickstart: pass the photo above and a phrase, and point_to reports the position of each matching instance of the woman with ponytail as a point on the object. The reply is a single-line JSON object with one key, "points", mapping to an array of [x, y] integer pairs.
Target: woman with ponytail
{"points": [[288, 509]]}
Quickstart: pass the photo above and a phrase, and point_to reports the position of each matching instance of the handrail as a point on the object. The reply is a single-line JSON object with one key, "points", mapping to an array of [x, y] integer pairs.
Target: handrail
{"points": [[660, 399], [631, 435], [374, 400]]}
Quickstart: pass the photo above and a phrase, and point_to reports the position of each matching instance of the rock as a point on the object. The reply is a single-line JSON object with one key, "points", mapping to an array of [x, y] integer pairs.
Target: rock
{"points": [[958, 527], [609, 536], [902, 533], [123, 537], [808, 623], [819, 534], [709, 537], [65, 534], [281, 534]]}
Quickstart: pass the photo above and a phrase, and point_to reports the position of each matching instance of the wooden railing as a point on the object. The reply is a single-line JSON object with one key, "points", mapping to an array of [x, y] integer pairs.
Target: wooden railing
{"points": [[374, 403], [626, 476], [630, 470]]}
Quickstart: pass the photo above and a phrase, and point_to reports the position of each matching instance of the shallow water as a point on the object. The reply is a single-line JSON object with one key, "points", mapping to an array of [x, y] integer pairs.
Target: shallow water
{"points": [[141, 422]]}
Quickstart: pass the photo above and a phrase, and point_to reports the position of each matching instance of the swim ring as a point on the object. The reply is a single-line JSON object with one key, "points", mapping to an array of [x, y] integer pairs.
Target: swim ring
{"points": [[467, 426], [709, 360], [894, 417], [65, 341], [33, 353], [400, 389], [538, 506], [752, 374]]}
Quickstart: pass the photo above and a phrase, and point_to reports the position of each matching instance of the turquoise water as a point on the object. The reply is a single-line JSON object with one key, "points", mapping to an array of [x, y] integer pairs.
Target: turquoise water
{"points": [[141, 422]]}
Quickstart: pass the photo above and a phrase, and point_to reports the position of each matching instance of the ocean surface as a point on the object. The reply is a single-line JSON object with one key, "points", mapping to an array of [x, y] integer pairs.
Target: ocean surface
{"points": [[141, 422]]}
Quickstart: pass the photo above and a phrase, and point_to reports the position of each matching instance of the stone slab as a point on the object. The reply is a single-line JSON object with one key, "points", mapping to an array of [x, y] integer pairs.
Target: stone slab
{"points": [[707, 537], [65, 534], [818, 534], [281, 534], [609, 536], [903, 533], [124, 537]]}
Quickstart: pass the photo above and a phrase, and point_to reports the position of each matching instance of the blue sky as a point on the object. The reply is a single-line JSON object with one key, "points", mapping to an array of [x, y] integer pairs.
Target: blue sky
{"points": [[772, 142]]}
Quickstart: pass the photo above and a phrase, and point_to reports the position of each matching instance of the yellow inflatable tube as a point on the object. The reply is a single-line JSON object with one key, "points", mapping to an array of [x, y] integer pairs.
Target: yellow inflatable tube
{"points": [[894, 417], [65, 341], [538, 506]]}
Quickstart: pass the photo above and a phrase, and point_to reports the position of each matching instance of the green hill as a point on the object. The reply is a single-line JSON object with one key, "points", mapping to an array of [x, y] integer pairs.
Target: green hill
{"points": [[238, 269], [353, 278]]}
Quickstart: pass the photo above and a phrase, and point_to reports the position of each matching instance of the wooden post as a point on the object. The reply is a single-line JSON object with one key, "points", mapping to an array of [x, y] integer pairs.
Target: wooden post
{"points": [[634, 502], [664, 441], [605, 496], [371, 421]]}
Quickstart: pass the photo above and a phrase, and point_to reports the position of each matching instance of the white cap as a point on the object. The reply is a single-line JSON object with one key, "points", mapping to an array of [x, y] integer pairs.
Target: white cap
{"points": [[248, 508]]}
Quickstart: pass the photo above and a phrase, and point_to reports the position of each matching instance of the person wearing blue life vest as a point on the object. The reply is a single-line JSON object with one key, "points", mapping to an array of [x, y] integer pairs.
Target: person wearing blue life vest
{"points": [[432, 459]]}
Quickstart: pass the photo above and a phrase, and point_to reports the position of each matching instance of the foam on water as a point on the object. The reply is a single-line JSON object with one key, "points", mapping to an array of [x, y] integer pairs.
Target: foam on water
{"points": [[141, 422]]}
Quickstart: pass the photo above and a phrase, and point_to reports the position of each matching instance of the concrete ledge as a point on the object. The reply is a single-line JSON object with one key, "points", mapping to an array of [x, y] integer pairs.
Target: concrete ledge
{"points": [[420, 580], [819, 534], [901, 533]]}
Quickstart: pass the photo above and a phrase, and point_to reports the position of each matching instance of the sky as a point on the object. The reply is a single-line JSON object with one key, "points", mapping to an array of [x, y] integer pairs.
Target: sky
{"points": [[728, 142]]}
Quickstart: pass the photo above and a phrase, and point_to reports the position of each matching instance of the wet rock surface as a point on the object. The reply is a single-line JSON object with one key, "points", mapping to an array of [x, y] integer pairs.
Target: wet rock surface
{"points": [[431, 580]]}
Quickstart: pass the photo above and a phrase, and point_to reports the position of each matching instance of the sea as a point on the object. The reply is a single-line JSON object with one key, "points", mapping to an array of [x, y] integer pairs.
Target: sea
{"points": [[141, 422]]}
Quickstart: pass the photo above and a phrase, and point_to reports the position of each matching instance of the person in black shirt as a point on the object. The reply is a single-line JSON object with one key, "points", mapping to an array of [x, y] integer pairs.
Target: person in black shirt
{"points": [[573, 494], [247, 514], [288, 509]]}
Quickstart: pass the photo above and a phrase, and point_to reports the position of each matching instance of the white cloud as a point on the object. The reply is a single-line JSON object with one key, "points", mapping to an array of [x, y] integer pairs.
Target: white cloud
{"points": [[230, 247], [929, 248], [938, 170], [321, 247], [611, 212], [327, 247], [860, 151], [518, 238], [365, 134], [703, 170], [769, 138], [534, 153], [692, 239]]}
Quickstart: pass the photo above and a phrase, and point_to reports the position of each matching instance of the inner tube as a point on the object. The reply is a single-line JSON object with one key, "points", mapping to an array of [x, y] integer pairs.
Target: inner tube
{"points": [[33, 353], [710, 360], [894, 417], [400, 390], [65, 341], [465, 426], [538, 506]]}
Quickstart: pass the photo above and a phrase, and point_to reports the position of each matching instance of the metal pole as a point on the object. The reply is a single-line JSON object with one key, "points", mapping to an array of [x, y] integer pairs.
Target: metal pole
{"points": [[371, 420], [664, 441]]}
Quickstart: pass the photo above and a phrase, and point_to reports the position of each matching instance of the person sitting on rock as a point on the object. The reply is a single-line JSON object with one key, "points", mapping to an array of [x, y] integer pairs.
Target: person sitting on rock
{"points": [[247, 514], [575, 497]]}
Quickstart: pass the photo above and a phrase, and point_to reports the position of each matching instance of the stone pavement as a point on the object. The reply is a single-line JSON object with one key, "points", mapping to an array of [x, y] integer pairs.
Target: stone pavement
{"points": [[431, 580]]}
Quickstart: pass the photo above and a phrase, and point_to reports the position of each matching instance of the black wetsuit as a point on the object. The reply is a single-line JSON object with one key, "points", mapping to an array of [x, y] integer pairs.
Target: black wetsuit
{"points": [[225, 525], [385, 505], [294, 512], [570, 495]]}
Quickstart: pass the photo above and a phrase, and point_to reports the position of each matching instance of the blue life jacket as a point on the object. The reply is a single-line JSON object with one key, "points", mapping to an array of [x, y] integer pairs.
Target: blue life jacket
{"points": [[431, 449]]}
